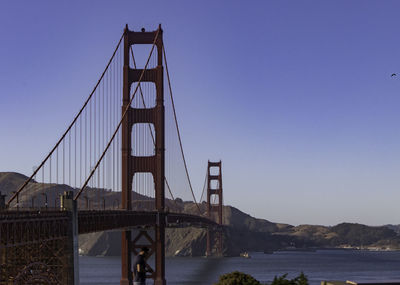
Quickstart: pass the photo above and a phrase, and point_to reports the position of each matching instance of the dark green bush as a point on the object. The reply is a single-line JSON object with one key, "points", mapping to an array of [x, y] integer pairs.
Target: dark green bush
{"points": [[237, 278], [299, 280]]}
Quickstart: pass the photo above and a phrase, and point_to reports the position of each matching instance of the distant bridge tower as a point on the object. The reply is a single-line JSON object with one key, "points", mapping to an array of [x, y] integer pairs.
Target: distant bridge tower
{"points": [[214, 206], [155, 164]]}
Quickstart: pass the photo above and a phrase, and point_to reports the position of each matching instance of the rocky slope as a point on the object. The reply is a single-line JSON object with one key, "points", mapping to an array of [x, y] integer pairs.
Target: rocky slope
{"points": [[242, 232]]}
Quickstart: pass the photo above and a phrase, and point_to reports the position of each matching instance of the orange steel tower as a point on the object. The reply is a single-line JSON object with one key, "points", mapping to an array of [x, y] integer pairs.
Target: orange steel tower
{"points": [[132, 165], [214, 190]]}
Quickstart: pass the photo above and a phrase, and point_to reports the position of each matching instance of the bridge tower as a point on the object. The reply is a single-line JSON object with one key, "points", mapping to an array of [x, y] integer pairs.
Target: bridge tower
{"points": [[214, 190], [155, 164]]}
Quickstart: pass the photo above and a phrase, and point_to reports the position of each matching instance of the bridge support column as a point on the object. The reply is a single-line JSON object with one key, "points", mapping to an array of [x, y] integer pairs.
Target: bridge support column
{"points": [[126, 203], [126, 259], [69, 204], [160, 251], [214, 191], [137, 165], [208, 248]]}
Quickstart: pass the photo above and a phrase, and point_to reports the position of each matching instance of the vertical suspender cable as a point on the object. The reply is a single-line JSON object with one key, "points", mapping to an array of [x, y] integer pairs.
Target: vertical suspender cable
{"points": [[80, 150], [63, 161], [75, 157], [65, 133], [177, 129], [90, 136], [69, 160], [119, 124], [86, 153], [57, 166]]}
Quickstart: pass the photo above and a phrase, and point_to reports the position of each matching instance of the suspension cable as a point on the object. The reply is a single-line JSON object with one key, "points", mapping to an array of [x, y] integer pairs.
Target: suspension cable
{"points": [[120, 122], [177, 129], [69, 127], [204, 186]]}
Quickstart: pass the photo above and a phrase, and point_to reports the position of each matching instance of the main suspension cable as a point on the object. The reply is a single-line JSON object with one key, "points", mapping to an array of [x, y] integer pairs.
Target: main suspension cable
{"points": [[177, 129], [120, 122], [204, 186], [69, 127]]}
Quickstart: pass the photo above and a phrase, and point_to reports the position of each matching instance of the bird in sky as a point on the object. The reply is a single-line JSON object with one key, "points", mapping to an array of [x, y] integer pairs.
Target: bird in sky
{"points": [[393, 74]]}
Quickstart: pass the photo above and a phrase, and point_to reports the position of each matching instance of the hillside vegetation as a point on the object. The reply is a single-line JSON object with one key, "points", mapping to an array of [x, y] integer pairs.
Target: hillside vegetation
{"points": [[242, 232]]}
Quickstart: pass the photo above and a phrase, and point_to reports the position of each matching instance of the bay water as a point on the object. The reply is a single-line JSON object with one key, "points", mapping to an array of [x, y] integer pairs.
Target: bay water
{"points": [[317, 266]]}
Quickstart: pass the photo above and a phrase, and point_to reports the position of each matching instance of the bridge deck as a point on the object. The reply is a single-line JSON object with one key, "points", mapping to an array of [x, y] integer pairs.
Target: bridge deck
{"points": [[27, 227]]}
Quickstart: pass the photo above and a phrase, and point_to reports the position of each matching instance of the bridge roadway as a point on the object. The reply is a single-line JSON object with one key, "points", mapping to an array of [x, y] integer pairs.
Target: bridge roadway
{"points": [[21, 227]]}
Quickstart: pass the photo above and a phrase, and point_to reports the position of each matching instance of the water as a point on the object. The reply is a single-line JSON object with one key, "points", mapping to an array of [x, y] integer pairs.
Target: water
{"points": [[319, 265]]}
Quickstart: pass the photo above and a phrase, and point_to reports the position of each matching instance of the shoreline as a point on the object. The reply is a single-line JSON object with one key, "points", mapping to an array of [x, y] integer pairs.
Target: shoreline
{"points": [[313, 249]]}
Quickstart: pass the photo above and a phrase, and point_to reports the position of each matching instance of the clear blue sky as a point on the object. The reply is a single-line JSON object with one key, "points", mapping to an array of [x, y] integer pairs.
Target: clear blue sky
{"points": [[295, 97]]}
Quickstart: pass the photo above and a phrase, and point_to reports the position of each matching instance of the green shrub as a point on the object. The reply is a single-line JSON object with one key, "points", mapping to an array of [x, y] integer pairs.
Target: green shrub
{"points": [[237, 278], [299, 280]]}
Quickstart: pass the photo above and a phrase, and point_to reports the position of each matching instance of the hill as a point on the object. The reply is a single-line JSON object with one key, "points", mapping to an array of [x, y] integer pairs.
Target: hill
{"points": [[242, 232]]}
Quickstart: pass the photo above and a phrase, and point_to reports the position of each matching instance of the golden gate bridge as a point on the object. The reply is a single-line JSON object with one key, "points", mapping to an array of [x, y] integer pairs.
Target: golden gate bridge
{"points": [[120, 165]]}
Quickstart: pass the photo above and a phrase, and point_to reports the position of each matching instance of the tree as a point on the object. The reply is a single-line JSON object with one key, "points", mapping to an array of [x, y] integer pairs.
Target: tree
{"points": [[237, 278], [299, 280]]}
